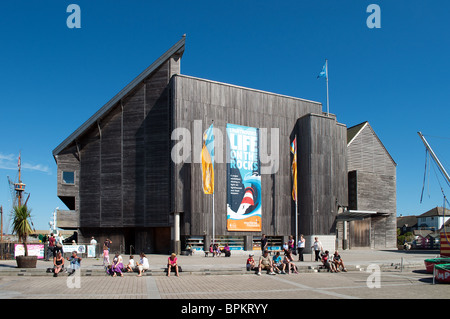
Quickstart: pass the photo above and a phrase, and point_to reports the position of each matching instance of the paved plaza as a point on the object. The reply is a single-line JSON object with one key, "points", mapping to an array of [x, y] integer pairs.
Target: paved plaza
{"points": [[351, 285], [402, 276]]}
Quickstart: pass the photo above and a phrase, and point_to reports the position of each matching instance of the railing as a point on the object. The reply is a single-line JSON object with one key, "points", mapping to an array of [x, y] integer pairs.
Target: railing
{"points": [[425, 243], [7, 250]]}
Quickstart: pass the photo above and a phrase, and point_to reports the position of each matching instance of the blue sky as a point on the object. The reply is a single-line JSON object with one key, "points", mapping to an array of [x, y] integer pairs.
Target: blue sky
{"points": [[54, 78]]}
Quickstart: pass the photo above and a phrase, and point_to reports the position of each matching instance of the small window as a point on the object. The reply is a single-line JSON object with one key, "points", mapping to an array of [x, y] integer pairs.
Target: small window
{"points": [[68, 178]]}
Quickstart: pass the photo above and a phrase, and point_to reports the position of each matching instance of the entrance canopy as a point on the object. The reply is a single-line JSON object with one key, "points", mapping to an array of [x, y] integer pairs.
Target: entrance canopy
{"points": [[350, 215]]}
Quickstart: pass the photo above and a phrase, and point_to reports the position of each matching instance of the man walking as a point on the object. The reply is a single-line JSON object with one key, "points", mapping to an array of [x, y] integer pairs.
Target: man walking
{"points": [[317, 248]]}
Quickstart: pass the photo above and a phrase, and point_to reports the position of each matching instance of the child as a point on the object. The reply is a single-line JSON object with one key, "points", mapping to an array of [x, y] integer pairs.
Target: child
{"points": [[131, 264], [109, 270], [251, 264], [105, 256]]}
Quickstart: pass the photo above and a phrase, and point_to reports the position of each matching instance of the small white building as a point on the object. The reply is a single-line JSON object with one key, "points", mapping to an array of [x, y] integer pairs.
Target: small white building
{"points": [[433, 219]]}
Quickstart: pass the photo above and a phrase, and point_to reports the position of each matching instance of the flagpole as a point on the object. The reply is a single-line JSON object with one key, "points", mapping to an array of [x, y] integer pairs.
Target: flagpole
{"points": [[328, 103], [296, 198], [213, 217], [296, 220]]}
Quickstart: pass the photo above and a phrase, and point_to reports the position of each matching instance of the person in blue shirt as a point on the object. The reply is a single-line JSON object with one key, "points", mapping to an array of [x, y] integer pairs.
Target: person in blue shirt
{"points": [[74, 262], [277, 262]]}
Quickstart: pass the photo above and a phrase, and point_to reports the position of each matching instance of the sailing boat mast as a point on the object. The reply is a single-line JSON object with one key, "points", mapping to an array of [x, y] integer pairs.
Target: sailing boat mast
{"points": [[19, 186], [434, 157]]}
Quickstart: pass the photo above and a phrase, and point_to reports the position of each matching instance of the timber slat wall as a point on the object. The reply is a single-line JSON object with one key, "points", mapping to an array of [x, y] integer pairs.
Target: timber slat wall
{"points": [[90, 186], [110, 170], [322, 173], [372, 185], [198, 99], [69, 194], [133, 149], [125, 178], [366, 153]]}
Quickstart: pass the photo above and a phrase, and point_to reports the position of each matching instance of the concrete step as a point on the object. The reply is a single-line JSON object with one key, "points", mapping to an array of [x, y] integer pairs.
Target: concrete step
{"points": [[189, 270]]}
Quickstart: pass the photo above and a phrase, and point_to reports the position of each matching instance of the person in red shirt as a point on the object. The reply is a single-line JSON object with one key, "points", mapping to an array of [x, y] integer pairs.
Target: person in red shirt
{"points": [[326, 262], [251, 263], [51, 247]]}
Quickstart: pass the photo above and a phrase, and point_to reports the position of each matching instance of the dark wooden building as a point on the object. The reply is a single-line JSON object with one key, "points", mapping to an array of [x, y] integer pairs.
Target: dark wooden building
{"points": [[120, 159], [372, 191], [118, 179]]}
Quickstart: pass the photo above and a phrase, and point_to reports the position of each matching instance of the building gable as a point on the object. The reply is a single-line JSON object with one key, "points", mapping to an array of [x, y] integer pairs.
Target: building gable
{"points": [[174, 53], [367, 153]]}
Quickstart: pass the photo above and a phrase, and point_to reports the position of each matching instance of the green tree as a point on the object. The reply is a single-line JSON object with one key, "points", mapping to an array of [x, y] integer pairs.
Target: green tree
{"points": [[21, 227]]}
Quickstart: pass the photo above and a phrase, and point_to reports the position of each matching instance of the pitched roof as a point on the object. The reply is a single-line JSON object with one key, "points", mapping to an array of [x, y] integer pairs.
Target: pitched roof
{"points": [[436, 211], [422, 232], [176, 49], [353, 132], [407, 221]]}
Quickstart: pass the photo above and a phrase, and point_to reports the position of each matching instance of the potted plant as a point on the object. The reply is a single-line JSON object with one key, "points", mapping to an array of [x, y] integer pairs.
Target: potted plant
{"points": [[21, 227]]}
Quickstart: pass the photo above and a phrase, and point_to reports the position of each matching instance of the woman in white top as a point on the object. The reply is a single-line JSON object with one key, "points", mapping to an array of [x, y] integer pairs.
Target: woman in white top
{"points": [[301, 247], [317, 248], [143, 264]]}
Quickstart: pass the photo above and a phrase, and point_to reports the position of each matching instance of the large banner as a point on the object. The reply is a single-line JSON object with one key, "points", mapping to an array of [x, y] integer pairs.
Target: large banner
{"points": [[243, 179], [80, 249]]}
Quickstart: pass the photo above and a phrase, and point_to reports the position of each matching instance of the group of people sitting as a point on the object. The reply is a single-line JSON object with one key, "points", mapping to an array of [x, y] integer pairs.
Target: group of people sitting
{"points": [[117, 267], [58, 263], [216, 251], [333, 262], [286, 265], [277, 264]]}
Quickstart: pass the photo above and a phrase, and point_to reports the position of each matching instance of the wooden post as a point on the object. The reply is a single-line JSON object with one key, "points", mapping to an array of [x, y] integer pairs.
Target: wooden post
{"points": [[176, 233]]}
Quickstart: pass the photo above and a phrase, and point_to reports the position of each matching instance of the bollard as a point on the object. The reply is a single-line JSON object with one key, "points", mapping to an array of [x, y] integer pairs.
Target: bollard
{"points": [[434, 274]]}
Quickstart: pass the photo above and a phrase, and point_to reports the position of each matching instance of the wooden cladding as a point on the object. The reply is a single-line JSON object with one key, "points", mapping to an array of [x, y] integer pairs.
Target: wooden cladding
{"points": [[322, 173], [367, 153], [372, 187], [125, 168], [198, 99]]}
